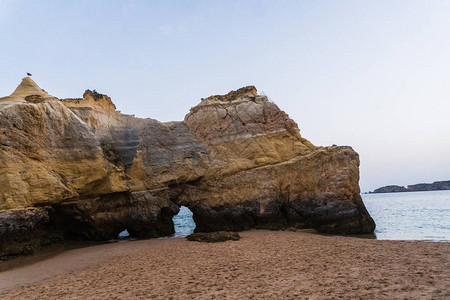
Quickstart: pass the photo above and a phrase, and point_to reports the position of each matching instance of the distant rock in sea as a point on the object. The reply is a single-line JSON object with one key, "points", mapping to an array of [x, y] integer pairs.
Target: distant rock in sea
{"points": [[390, 189], [80, 169], [435, 186]]}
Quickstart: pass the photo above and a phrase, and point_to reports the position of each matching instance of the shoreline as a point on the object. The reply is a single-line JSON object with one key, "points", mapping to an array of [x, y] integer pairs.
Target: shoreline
{"points": [[47, 252], [61, 261], [263, 264], [44, 253]]}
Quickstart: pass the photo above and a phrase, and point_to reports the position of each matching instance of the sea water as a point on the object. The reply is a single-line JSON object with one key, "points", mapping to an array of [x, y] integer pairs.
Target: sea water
{"points": [[398, 216], [410, 215], [184, 223]]}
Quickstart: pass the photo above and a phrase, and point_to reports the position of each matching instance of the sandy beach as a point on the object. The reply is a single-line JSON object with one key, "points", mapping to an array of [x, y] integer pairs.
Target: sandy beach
{"points": [[262, 265]]}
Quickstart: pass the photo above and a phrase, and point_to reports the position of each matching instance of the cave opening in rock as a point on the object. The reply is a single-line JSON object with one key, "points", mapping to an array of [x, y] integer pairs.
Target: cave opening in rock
{"points": [[123, 234], [184, 222]]}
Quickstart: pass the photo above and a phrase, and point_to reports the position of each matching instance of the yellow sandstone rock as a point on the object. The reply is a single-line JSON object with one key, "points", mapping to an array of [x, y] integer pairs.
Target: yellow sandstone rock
{"points": [[79, 168]]}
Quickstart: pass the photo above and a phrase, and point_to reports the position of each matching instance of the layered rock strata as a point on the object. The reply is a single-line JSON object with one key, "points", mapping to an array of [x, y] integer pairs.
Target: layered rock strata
{"points": [[78, 168]]}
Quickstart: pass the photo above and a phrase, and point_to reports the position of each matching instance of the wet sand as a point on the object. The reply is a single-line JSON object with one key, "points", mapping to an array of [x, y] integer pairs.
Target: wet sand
{"points": [[262, 265]]}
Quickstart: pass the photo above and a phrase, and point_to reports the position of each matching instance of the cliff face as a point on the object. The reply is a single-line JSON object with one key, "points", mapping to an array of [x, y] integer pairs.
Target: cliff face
{"points": [[77, 168], [265, 175]]}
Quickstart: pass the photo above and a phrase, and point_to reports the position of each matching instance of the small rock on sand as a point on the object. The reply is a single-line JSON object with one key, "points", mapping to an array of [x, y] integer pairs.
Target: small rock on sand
{"points": [[213, 237]]}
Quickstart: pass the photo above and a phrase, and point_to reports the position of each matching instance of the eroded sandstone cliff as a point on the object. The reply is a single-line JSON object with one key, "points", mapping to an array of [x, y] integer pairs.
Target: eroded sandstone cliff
{"points": [[78, 168]]}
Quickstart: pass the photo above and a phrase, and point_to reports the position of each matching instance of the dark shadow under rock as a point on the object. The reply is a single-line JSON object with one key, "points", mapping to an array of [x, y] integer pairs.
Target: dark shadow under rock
{"points": [[214, 237]]}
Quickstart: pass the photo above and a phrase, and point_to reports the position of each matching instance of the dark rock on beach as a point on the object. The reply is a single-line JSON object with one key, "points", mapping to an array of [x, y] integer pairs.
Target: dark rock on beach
{"points": [[22, 231], [213, 237]]}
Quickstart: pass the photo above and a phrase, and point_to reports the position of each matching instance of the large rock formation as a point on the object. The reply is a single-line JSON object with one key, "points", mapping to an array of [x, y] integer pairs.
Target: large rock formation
{"points": [[78, 168]]}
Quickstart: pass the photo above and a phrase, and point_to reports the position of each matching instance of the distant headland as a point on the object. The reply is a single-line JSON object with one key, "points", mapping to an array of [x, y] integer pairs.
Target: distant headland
{"points": [[435, 186]]}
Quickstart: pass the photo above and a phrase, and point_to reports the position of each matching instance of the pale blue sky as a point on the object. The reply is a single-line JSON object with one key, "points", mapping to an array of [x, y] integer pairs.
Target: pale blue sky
{"points": [[370, 74]]}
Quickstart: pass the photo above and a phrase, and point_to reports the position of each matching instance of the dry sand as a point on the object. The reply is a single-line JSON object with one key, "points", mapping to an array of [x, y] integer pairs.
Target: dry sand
{"points": [[262, 265]]}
